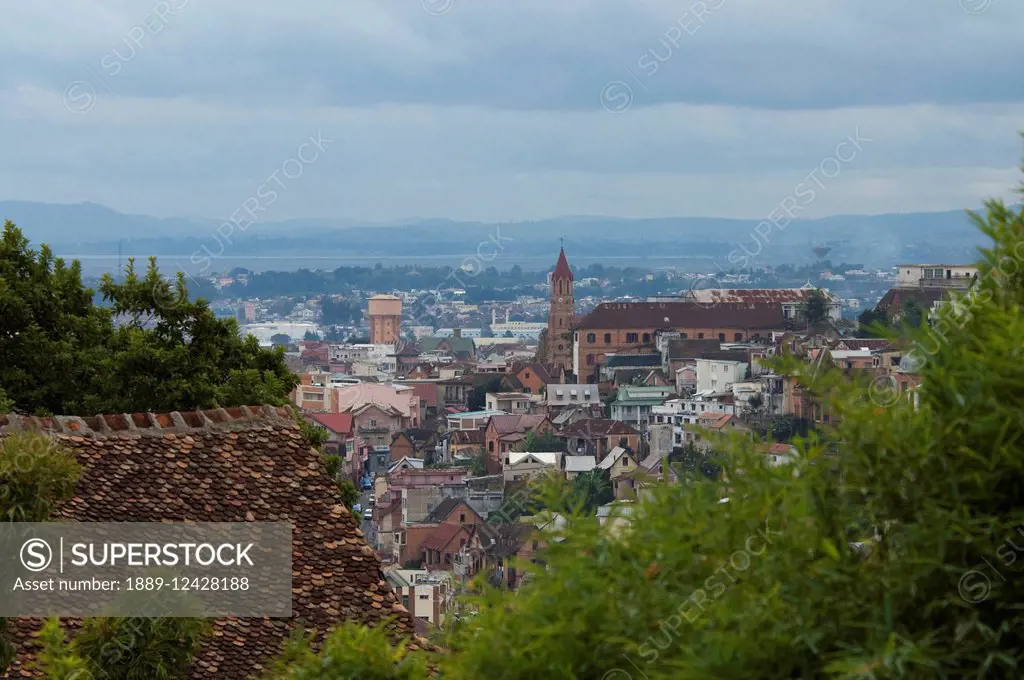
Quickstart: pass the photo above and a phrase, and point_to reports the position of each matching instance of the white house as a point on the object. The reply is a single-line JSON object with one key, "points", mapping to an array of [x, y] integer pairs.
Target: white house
{"points": [[564, 395], [718, 375]]}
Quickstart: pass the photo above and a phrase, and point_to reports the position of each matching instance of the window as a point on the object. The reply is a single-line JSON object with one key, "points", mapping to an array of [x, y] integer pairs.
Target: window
{"points": [[738, 337], [426, 597], [607, 338], [373, 422], [700, 336], [590, 360], [535, 545], [632, 337], [647, 337], [405, 601], [462, 519], [490, 447], [721, 337], [591, 337], [682, 336]]}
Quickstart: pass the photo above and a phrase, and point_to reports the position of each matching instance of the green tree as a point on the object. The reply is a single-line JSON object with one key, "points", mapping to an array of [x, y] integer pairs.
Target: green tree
{"points": [[873, 323], [35, 474], [134, 648], [478, 464], [478, 396], [539, 442], [590, 490], [64, 355], [912, 314], [350, 652], [280, 340], [815, 310]]}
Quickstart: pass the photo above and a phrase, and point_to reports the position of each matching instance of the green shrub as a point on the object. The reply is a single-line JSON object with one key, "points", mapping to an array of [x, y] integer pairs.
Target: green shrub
{"points": [[350, 652], [35, 473], [139, 648]]}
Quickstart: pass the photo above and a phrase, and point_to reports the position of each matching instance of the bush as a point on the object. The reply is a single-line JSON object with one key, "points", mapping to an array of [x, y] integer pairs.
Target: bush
{"points": [[350, 652], [35, 473], [139, 648]]}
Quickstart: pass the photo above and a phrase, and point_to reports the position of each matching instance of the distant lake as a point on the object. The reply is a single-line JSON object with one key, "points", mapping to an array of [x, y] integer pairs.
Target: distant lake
{"points": [[94, 265]]}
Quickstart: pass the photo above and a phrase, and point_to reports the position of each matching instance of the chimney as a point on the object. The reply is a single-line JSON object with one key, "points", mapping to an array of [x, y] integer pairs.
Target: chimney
{"points": [[457, 332]]}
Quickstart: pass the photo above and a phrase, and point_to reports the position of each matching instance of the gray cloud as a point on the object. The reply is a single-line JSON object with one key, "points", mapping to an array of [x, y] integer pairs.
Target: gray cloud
{"points": [[495, 111]]}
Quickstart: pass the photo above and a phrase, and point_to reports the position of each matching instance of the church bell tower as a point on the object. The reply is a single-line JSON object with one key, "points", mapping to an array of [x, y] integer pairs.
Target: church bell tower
{"points": [[561, 315]]}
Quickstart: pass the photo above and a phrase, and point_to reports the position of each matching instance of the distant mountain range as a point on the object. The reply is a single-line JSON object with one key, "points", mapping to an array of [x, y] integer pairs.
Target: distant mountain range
{"points": [[90, 229]]}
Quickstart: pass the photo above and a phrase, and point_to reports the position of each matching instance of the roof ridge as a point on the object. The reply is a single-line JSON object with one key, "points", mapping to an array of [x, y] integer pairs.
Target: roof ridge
{"points": [[149, 423]]}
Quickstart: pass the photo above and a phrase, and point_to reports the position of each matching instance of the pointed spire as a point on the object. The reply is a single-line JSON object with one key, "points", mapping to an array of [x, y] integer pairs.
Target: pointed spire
{"points": [[562, 270]]}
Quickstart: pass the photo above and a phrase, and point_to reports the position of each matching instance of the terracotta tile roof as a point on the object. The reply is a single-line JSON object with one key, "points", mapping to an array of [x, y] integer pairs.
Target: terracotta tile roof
{"points": [[440, 537], [225, 465], [684, 315], [776, 448], [446, 507], [467, 437], [539, 370], [597, 427], [339, 423], [715, 421], [516, 423]]}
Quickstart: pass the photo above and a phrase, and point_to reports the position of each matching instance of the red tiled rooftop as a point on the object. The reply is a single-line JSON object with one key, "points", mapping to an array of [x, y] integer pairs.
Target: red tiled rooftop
{"points": [[224, 465]]}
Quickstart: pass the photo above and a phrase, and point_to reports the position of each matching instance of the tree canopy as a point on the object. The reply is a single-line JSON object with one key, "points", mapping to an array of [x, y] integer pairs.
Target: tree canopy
{"points": [[151, 349]]}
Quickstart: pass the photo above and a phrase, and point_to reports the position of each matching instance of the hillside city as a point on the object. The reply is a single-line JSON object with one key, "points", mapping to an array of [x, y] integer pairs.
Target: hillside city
{"points": [[443, 427], [474, 340]]}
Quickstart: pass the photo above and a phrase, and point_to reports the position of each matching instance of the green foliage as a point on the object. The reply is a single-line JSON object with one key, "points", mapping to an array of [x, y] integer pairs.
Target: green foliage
{"points": [[139, 648], [696, 463], [815, 310], [874, 323], [478, 464], [478, 397], [349, 493], [7, 652], [912, 314], [64, 355], [56, 658], [350, 652], [35, 473], [590, 490], [314, 435], [540, 442]]}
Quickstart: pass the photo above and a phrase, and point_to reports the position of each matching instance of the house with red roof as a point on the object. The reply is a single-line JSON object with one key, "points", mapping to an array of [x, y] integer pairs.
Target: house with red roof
{"points": [[340, 429]]}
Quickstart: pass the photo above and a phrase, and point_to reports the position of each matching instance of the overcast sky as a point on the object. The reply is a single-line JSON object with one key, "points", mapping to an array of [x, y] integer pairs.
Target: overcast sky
{"points": [[511, 109]]}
